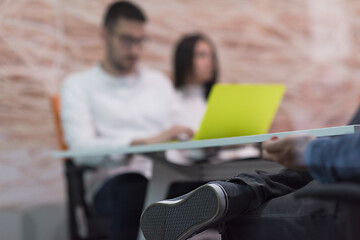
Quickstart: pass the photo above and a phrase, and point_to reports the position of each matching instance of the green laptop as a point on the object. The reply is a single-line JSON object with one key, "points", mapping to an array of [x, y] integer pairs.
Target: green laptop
{"points": [[239, 110]]}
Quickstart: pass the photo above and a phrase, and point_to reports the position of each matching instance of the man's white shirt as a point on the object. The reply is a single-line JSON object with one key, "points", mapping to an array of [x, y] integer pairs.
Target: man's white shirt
{"points": [[99, 110]]}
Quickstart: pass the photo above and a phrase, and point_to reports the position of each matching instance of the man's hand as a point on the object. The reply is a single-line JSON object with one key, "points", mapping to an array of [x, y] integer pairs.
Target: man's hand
{"points": [[288, 151], [174, 133]]}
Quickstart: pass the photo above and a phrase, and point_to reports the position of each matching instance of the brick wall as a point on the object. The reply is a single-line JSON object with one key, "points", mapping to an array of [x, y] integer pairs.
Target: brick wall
{"points": [[310, 45]]}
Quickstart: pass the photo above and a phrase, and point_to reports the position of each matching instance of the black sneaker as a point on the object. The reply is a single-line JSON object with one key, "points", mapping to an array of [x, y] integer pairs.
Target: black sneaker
{"points": [[182, 217]]}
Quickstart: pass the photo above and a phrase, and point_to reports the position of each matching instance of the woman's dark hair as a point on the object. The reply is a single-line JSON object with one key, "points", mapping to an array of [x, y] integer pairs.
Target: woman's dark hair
{"points": [[183, 60], [122, 9]]}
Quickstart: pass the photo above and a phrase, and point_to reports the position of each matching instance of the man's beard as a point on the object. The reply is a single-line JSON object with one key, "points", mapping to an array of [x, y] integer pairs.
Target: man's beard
{"points": [[119, 66]]}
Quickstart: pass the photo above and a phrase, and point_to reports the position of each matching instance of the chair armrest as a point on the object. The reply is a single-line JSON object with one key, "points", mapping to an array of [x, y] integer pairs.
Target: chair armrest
{"points": [[339, 191]]}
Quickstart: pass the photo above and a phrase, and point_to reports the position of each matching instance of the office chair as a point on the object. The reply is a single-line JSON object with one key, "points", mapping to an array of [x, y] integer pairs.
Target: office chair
{"points": [[83, 223]]}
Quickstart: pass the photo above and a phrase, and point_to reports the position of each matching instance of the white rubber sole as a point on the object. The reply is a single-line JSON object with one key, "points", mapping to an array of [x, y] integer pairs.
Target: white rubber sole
{"points": [[181, 218]]}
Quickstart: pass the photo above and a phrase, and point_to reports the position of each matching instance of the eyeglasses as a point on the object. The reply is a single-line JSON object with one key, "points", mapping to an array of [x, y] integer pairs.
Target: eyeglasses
{"points": [[130, 41]]}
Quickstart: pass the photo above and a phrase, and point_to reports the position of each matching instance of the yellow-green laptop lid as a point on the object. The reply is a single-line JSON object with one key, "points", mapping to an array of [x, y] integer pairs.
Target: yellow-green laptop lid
{"points": [[239, 110]]}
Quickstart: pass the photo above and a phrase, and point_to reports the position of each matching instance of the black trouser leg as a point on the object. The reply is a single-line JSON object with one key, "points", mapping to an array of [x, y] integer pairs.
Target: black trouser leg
{"points": [[122, 199], [288, 218]]}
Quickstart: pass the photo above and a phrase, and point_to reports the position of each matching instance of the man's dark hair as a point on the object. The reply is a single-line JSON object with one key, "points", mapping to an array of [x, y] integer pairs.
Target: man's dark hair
{"points": [[122, 9], [183, 60]]}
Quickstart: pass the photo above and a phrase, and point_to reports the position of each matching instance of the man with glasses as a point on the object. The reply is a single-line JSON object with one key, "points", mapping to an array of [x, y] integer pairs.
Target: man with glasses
{"points": [[118, 103]]}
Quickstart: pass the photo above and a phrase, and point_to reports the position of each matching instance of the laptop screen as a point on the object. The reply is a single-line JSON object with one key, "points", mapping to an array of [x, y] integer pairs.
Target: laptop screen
{"points": [[240, 110]]}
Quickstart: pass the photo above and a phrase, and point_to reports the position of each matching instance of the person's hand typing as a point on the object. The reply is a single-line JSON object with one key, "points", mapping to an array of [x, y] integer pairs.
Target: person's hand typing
{"points": [[287, 151], [176, 132]]}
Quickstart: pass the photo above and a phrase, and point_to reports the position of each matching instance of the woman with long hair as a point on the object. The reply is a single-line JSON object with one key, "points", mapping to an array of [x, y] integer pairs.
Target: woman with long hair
{"points": [[195, 72]]}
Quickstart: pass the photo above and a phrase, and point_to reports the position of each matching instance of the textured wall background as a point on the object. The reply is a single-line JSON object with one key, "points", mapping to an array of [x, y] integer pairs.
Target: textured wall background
{"points": [[310, 45]]}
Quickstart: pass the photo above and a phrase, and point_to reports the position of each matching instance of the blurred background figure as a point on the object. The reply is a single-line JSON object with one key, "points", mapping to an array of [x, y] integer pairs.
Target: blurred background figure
{"points": [[118, 103], [195, 72]]}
